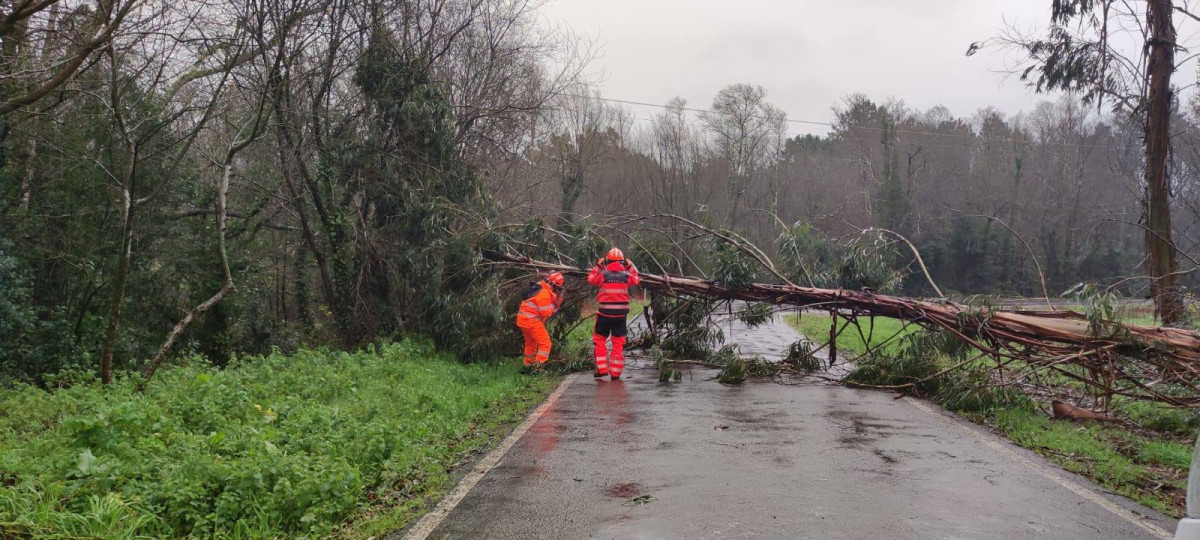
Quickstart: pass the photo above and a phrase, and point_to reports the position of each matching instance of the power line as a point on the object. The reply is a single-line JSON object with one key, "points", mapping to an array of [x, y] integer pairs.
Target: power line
{"points": [[690, 109], [835, 126]]}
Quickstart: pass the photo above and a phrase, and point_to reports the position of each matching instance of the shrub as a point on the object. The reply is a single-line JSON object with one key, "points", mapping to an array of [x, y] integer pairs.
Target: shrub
{"points": [[666, 373], [688, 332], [736, 369], [732, 268], [971, 389], [756, 314], [278, 445], [896, 369], [31, 345]]}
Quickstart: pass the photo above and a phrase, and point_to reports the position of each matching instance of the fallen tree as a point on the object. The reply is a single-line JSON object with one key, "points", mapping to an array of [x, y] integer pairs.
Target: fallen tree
{"points": [[1141, 362]]}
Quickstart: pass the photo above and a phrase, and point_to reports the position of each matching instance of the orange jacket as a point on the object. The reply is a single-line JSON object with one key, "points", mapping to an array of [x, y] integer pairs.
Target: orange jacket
{"points": [[541, 305], [614, 280]]}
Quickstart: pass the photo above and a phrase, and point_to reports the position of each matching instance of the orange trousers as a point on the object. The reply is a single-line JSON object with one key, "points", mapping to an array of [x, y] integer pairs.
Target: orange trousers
{"points": [[537, 340]]}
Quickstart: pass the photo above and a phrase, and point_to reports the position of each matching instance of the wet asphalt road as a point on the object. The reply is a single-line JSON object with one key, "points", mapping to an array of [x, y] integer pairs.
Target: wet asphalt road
{"points": [[697, 459]]}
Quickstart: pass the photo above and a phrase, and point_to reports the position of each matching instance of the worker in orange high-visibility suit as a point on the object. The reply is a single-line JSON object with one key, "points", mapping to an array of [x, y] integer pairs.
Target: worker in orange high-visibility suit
{"points": [[542, 300], [614, 275]]}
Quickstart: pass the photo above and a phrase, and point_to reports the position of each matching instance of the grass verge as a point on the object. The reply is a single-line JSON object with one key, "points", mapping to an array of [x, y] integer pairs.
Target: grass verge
{"points": [[1147, 460], [313, 444], [876, 331]]}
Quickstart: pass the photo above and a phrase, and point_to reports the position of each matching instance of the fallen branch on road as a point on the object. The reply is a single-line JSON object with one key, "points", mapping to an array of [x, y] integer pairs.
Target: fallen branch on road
{"points": [[1141, 362]]}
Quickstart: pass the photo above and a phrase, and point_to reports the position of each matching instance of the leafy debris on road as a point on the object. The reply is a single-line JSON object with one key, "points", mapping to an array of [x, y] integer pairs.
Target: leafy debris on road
{"points": [[640, 500]]}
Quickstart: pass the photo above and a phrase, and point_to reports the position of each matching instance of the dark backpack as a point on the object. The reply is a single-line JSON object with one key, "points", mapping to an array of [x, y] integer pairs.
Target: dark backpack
{"points": [[534, 288]]}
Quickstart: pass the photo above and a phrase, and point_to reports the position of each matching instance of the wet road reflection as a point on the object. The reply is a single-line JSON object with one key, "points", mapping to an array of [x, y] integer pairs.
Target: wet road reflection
{"points": [[612, 402]]}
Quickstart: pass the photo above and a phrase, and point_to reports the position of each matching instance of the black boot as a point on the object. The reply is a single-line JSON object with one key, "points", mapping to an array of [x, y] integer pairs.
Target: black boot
{"points": [[599, 374], [615, 378]]}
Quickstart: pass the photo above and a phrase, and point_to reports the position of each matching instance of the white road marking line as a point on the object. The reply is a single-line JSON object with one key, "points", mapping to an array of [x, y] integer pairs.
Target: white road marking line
{"points": [[1053, 476], [430, 521]]}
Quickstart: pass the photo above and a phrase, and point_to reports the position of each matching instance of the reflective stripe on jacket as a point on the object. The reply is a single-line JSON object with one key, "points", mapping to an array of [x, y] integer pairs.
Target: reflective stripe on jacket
{"points": [[541, 305], [614, 281]]}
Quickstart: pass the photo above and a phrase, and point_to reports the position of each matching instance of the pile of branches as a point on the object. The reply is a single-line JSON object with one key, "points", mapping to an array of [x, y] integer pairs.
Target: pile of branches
{"points": [[1140, 362]]}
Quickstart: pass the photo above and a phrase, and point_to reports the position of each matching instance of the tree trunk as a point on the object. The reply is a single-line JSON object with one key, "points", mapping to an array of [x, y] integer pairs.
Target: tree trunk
{"points": [[833, 334], [1051, 341], [222, 195], [1160, 250], [123, 263], [310, 237], [572, 189]]}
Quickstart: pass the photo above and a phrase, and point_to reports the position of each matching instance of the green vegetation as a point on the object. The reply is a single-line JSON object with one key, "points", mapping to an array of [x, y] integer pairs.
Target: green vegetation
{"points": [[877, 331], [312, 444], [733, 371], [330, 192], [666, 371], [1143, 467], [1148, 463], [574, 351], [800, 355], [1159, 417]]}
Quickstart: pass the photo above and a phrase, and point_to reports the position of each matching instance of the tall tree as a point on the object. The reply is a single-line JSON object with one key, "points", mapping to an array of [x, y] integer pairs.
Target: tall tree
{"points": [[585, 129], [1161, 251], [893, 198], [1078, 55], [748, 134]]}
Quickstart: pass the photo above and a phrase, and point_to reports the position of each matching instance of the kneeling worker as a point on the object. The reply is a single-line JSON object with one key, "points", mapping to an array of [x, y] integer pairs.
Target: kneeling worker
{"points": [[614, 275], [542, 300]]}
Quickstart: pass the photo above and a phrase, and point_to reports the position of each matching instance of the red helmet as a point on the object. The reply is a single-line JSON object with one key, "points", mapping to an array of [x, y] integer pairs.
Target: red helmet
{"points": [[615, 254], [556, 279]]}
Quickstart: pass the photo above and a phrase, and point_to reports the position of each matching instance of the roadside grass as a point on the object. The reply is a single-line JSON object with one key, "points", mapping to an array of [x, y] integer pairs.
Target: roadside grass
{"points": [[1147, 467], [1158, 417], [575, 353], [877, 331], [312, 444], [1146, 460], [1141, 320]]}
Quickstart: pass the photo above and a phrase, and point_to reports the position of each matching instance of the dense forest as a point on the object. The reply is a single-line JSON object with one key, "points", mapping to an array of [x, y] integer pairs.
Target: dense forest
{"points": [[983, 196], [232, 177]]}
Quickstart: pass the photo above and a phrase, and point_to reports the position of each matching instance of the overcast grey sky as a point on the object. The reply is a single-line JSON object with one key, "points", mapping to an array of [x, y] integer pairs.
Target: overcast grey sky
{"points": [[808, 54]]}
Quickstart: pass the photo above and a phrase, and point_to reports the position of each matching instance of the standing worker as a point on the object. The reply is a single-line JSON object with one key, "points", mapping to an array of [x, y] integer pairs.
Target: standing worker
{"points": [[542, 300], [614, 275]]}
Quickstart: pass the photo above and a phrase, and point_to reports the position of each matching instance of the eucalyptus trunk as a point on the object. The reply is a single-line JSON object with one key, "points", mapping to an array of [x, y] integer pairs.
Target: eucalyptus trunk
{"points": [[1160, 250]]}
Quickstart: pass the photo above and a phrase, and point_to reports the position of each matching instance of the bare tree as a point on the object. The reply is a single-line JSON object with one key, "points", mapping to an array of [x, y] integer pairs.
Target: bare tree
{"points": [[748, 135], [584, 130], [44, 43], [243, 137], [156, 115]]}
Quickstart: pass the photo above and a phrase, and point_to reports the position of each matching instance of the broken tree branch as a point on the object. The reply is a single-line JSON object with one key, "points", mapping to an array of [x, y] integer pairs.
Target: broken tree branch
{"points": [[1129, 355]]}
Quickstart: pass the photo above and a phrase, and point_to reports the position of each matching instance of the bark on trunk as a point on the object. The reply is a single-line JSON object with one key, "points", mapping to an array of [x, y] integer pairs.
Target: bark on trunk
{"points": [[832, 337], [1160, 250], [310, 237]]}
